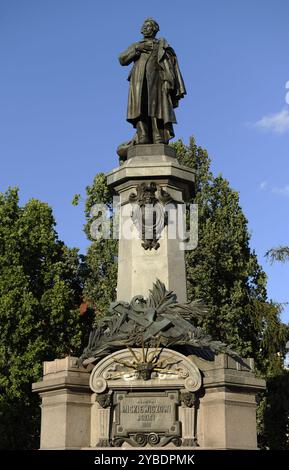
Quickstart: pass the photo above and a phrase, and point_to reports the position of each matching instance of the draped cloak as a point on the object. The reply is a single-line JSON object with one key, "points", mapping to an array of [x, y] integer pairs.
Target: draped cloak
{"points": [[148, 94]]}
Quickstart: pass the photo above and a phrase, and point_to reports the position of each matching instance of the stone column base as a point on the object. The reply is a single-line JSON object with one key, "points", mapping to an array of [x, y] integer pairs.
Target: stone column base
{"points": [[66, 405], [227, 409]]}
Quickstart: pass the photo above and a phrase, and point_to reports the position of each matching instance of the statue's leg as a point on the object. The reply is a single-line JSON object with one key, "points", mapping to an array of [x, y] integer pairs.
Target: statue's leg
{"points": [[158, 132], [142, 133]]}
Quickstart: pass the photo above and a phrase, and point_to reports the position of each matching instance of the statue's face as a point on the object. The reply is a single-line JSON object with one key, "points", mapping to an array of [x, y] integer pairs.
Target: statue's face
{"points": [[148, 30]]}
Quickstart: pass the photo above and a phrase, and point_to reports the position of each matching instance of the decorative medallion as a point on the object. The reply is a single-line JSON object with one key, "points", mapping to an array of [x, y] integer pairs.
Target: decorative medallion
{"points": [[149, 213]]}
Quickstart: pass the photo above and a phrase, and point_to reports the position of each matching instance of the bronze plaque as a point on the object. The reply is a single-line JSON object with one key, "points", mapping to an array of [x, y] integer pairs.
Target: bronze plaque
{"points": [[146, 413]]}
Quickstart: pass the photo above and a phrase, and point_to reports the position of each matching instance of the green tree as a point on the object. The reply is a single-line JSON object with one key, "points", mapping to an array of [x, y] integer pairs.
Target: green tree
{"points": [[223, 271], [275, 403], [40, 292], [274, 412], [278, 254], [101, 258]]}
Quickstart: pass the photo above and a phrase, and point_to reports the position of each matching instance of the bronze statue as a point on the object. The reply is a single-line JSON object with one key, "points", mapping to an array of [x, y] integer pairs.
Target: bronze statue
{"points": [[156, 86]]}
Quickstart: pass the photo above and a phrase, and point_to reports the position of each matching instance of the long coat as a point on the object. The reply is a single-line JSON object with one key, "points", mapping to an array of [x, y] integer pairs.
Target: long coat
{"points": [[148, 94]]}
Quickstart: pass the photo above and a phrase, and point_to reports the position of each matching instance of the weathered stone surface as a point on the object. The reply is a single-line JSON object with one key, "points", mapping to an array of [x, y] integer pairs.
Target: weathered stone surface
{"points": [[227, 413], [174, 371], [66, 405], [148, 162], [221, 413], [151, 150], [139, 268], [146, 411]]}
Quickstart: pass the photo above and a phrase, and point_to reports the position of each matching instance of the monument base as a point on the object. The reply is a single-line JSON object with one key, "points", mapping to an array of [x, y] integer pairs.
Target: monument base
{"points": [[174, 408]]}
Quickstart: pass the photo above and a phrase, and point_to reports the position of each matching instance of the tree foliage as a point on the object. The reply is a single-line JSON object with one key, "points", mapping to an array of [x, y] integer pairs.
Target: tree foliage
{"points": [[274, 412], [275, 403], [101, 258], [224, 271], [278, 254], [40, 292]]}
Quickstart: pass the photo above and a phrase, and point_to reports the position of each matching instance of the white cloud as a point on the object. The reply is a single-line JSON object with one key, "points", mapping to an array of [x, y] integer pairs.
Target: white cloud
{"points": [[263, 185], [281, 190], [278, 122], [287, 94]]}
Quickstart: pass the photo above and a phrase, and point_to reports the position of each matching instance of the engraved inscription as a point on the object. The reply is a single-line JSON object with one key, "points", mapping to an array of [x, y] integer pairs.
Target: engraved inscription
{"points": [[141, 413], [146, 411]]}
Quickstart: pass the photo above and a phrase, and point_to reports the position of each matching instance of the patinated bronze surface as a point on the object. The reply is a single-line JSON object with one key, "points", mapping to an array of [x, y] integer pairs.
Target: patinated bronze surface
{"points": [[156, 86], [149, 214], [158, 321]]}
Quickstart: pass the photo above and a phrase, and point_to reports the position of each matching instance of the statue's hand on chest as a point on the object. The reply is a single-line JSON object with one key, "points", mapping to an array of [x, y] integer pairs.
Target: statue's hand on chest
{"points": [[145, 46]]}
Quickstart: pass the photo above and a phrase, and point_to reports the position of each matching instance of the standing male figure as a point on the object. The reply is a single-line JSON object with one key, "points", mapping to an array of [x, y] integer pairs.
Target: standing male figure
{"points": [[156, 86]]}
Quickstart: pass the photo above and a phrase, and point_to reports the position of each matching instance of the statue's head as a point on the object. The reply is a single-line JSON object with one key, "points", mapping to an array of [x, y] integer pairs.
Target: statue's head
{"points": [[150, 28]]}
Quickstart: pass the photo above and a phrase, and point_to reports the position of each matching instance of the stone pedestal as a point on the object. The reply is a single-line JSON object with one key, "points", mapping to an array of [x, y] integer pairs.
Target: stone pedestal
{"points": [[215, 412], [227, 411], [66, 405], [138, 268]]}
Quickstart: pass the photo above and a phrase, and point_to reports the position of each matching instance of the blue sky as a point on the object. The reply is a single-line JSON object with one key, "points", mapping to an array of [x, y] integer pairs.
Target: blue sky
{"points": [[63, 101]]}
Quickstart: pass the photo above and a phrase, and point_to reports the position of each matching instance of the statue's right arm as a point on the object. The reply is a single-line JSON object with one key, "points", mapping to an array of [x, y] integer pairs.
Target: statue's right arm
{"points": [[129, 55]]}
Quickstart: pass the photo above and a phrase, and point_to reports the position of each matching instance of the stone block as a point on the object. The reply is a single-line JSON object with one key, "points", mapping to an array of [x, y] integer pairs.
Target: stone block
{"points": [[66, 405]]}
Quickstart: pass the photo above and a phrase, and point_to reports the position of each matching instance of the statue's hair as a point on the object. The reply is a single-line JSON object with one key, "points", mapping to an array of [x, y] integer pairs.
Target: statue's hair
{"points": [[153, 22]]}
